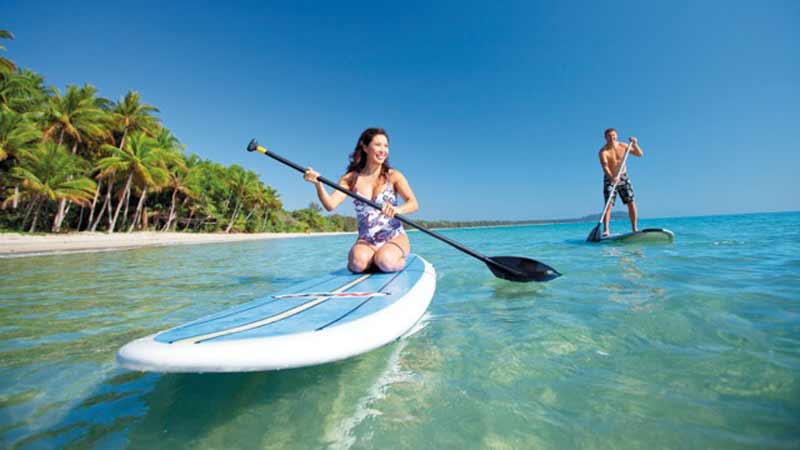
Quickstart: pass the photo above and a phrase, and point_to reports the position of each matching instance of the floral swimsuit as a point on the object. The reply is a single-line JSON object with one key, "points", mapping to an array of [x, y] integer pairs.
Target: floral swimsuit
{"points": [[374, 227]]}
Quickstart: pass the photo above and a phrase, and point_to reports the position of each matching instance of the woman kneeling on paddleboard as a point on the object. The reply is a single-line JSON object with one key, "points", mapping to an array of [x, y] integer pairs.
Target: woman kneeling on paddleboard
{"points": [[381, 238]]}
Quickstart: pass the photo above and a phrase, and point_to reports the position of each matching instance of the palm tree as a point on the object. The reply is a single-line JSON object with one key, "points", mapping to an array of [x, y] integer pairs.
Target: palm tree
{"points": [[142, 161], [50, 173], [5, 64], [241, 182], [165, 154], [77, 116], [196, 180], [272, 202], [17, 134], [255, 198], [22, 91], [184, 179], [312, 217], [129, 116]]}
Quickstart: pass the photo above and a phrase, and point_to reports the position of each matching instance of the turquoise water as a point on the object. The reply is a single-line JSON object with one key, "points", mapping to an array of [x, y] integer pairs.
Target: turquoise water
{"points": [[690, 345]]}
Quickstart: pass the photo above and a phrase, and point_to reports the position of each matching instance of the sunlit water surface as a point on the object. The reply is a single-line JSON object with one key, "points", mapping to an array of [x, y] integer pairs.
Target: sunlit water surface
{"points": [[694, 344]]}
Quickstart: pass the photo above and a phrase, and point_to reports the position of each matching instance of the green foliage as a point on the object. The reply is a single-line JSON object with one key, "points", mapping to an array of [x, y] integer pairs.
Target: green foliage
{"points": [[75, 117], [18, 132], [6, 65], [22, 91], [49, 171], [82, 149]]}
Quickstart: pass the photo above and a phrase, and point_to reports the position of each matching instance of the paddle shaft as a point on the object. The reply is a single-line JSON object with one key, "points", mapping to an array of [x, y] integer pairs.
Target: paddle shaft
{"points": [[399, 217], [614, 188]]}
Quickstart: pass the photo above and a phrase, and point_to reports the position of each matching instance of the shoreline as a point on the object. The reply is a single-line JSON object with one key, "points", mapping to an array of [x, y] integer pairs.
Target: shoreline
{"points": [[20, 245]]}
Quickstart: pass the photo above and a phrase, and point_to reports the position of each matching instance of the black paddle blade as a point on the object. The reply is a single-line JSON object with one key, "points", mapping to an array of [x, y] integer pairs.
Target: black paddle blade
{"points": [[595, 235], [252, 146], [514, 268]]}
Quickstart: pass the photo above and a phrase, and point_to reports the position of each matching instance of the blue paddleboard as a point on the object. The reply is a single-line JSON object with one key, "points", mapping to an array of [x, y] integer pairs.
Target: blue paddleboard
{"points": [[321, 320], [646, 235]]}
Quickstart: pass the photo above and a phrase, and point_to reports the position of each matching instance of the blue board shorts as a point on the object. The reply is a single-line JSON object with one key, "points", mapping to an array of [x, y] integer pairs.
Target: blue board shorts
{"points": [[624, 189]]}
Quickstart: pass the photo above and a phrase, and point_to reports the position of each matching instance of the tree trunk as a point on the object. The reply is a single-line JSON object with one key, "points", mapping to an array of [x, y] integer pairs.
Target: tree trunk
{"points": [[80, 219], [127, 203], [35, 218], [138, 213], [29, 211], [59, 215], [63, 210], [15, 202], [105, 205], [171, 216], [94, 203], [110, 207], [189, 222], [233, 218], [249, 216], [62, 213], [113, 222]]}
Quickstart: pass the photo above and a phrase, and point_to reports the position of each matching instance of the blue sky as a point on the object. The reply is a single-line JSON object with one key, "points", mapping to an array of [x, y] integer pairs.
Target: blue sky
{"points": [[495, 109]]}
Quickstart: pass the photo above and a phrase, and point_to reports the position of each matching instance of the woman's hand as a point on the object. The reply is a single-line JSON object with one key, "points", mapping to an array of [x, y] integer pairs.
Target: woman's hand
{"points": [[389, 209], [311, 176]]}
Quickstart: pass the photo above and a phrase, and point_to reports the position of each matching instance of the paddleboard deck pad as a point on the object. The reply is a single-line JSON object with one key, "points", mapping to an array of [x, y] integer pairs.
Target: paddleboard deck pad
{"points": [[653, 235], [326, 319]]}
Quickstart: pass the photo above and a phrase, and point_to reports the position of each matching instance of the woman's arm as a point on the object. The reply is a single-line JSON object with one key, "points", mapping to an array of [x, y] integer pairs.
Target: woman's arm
{"points": [[402, 187], [329, 201]]}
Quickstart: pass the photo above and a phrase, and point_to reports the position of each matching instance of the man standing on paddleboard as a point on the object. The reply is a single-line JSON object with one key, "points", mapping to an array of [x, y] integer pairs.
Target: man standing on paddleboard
{"points": [[611, 157]]}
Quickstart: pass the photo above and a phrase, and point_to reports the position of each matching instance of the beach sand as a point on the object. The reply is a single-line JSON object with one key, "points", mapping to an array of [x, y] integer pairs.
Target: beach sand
{"points": [[14, 244]]}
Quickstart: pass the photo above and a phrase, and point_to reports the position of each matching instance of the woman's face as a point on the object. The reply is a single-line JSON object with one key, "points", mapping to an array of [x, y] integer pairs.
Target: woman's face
{"points": [[378, 149]]}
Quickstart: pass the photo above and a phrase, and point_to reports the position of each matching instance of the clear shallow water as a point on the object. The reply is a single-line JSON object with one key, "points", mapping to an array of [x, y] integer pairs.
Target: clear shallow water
{"points": [[690, 345]]}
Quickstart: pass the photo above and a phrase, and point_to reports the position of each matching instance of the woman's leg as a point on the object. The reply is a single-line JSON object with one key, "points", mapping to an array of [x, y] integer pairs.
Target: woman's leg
{"points": [[361, 256], [391, 257]]}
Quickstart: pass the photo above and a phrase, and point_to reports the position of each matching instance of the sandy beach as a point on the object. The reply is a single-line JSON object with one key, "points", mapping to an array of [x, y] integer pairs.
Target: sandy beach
{"points": [[15, 244]]}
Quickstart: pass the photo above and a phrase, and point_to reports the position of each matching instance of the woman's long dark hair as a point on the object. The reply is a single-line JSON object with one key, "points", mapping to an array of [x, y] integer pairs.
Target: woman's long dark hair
{"points": [[358, 159]]}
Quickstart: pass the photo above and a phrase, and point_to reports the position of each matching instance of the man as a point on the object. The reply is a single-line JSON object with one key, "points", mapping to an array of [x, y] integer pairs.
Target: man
{"points": [[611, 156]]}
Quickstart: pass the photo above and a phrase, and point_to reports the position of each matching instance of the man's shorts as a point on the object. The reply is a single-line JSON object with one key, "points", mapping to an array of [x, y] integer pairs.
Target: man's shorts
{"points": [[624, 189]]}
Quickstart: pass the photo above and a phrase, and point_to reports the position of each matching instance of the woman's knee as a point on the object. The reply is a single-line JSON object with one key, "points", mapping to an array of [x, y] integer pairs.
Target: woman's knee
{"points": [[389, 261], [360, 259]]}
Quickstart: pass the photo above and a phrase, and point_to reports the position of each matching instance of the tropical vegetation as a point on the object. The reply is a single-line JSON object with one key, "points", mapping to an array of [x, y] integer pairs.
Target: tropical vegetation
{"points": [[75, 161]]}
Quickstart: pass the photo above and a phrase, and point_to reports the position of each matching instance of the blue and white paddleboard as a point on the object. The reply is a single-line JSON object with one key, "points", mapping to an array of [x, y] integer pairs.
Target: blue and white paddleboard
{"points": [[646, 235], [314, 322]]}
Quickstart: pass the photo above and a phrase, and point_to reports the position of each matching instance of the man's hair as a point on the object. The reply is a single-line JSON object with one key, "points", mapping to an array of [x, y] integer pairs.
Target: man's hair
{"points": [[608, 130]]}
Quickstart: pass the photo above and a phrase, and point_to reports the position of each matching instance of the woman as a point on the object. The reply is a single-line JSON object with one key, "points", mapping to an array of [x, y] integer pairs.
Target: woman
{"points": [[381, 239]]}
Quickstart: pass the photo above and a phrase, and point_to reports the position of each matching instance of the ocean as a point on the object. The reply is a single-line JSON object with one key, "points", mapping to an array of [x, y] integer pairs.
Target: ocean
{"points": [[693, 344]]}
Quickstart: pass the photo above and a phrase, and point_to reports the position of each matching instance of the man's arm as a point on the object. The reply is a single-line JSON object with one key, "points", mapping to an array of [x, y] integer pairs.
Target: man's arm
{"points": [[604, 165], [635, 149]]}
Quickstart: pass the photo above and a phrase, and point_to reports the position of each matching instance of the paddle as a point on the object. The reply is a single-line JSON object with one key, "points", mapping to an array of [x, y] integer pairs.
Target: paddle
{"points": [[595, 234], [512, 268]]}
